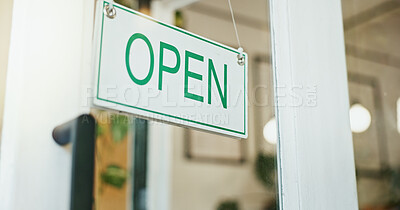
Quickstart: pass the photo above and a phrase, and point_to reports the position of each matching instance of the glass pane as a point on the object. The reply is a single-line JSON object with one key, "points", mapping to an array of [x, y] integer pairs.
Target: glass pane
{"points": [[373, 61], [215, 172], [205, 171]]}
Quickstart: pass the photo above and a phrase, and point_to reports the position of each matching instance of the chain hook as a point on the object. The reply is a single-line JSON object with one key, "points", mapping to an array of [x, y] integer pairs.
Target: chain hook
{"points": [[110, 11]]}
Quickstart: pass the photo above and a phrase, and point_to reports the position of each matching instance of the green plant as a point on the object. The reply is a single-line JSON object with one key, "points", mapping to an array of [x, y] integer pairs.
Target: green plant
{"points": [[119, 127], [265, 170], [114, 176], [228, 205]]}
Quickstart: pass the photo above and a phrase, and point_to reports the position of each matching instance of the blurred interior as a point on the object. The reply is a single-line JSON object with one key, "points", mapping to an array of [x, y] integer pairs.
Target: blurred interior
{"points": [[373, 61], [372, 31], [205, 171]]}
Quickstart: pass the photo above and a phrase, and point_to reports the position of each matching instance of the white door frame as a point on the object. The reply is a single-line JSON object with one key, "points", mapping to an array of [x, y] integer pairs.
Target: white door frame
{"points": [[315, 152], [48, 79], [315, 149]]}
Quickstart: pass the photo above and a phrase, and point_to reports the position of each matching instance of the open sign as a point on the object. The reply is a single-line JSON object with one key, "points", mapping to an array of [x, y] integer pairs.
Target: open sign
{"points": [[158, 71]]}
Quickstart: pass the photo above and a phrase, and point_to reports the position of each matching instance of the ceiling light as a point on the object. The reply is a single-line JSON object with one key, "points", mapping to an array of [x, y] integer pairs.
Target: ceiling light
{"points": [[270, 132], [360, 118]]}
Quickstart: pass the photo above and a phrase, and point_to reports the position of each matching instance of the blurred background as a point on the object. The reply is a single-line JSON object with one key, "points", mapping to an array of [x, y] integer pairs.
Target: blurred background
{"points": [[207, 171], [373, 63], [138, 167]]}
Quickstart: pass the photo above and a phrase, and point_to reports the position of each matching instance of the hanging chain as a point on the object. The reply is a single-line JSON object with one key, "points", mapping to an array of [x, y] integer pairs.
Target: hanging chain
{"points": [[240, 49]]}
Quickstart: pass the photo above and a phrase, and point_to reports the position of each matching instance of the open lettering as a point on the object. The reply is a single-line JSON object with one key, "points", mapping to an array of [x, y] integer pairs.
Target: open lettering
{"points": [[188, 73]]}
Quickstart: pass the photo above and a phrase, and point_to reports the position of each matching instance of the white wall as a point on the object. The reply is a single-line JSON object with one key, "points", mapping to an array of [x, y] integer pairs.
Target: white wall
{"points": [[48, 68], [5, 25]]}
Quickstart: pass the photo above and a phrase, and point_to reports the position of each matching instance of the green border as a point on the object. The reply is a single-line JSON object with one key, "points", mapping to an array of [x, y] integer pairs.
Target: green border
{"points": [[187, 33]]}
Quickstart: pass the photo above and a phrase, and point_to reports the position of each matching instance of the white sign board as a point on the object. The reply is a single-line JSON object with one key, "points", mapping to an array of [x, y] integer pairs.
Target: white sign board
{"points": [[158, 71]]}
